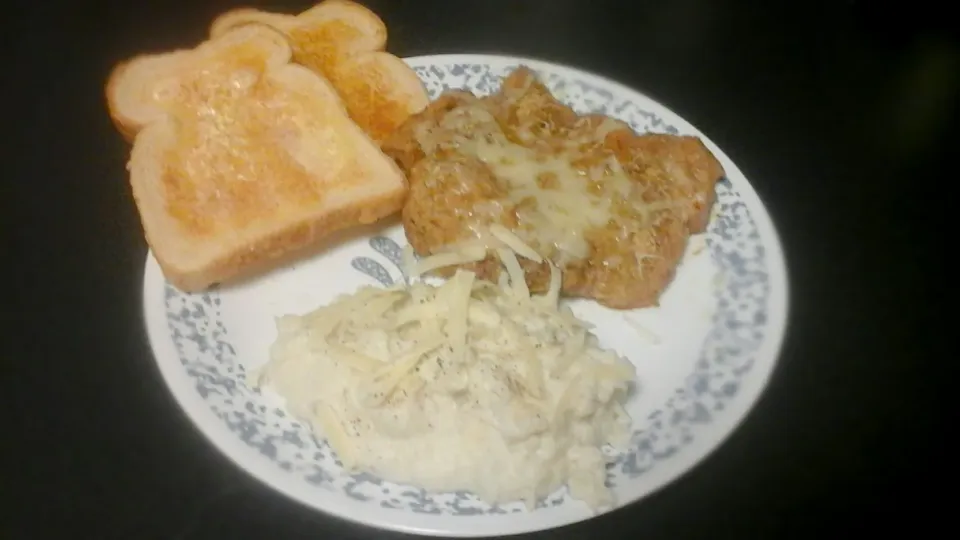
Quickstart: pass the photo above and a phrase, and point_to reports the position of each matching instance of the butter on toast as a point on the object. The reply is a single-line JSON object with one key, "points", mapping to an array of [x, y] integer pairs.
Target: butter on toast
{"points": [[241, 157], [345, 42]]}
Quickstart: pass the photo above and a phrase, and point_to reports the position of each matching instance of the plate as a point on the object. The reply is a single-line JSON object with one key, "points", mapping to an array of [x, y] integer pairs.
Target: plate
{"points": [[703, 357]]}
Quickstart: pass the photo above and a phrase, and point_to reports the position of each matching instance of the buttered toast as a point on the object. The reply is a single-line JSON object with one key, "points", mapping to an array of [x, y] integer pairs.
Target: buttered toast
{"points": [[345, 42], [241, 156]]}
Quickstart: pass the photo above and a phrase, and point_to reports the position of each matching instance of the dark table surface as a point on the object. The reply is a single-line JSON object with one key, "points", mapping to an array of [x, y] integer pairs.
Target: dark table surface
{"points": [[835, 111]]}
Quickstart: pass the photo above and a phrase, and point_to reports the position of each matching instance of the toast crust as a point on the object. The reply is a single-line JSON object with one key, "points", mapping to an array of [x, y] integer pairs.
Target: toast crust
{"points": [[240, 157], [124, 125], [265, 253], [345, 42]]}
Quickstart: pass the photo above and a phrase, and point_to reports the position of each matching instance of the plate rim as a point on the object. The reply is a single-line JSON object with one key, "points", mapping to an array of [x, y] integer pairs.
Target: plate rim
{"points": [[250, 462]]}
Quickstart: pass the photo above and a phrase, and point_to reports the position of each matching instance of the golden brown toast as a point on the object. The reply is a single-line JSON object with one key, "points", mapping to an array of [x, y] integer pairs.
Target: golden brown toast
{"points": [[241, 157], [611, 208], [345, 42]]}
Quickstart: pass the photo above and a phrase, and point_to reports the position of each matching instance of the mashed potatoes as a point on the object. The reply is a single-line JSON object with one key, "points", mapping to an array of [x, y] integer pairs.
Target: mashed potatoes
{"points": [[465, 386]]}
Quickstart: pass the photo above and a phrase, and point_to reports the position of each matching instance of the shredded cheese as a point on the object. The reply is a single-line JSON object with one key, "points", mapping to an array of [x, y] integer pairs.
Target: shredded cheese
{"points": [[515, 243], [436, 385], [515, 272], [459, 311], [645, 332], [463, 255], [338, 438]]}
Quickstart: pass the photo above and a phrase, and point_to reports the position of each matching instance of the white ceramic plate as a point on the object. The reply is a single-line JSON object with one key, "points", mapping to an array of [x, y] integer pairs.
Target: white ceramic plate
{"points": [[702, 358]]}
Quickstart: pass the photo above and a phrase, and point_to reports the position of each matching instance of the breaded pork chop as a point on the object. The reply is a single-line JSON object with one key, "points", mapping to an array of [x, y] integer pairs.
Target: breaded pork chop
{"points": [[611, 208]]}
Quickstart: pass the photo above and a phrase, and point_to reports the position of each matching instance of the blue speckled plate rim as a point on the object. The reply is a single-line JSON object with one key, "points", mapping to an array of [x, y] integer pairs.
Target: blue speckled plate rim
{"points": [[471, 526]]}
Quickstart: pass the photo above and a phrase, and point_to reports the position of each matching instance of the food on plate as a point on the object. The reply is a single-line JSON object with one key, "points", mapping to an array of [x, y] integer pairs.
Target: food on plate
{"points": [[612, 208], [469, 385], [345, 42], [240, 156]]}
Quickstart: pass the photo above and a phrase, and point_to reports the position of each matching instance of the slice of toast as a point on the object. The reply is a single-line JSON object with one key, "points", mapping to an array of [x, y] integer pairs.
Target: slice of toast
{"points": [[241, 157], [345, 42]]}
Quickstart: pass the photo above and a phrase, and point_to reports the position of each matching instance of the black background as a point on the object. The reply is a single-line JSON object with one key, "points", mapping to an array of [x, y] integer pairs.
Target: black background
{"points": [[837, 112]]}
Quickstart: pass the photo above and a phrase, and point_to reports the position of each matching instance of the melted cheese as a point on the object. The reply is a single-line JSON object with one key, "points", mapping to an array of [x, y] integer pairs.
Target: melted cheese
{"points": [[556, 199], [556, 216]]}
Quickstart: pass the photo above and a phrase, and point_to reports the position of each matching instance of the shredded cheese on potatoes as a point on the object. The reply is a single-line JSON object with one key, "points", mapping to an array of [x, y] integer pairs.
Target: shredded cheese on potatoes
{"points": [[468, 385]]}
